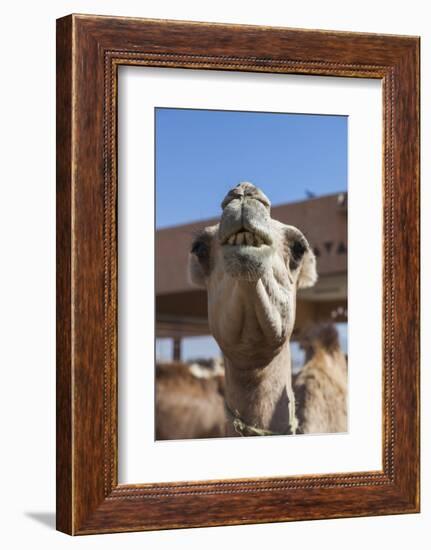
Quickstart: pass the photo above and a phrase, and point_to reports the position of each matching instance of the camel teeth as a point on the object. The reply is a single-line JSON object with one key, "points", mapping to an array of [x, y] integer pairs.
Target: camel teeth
{"points": [[249, 238], [245, 237]]}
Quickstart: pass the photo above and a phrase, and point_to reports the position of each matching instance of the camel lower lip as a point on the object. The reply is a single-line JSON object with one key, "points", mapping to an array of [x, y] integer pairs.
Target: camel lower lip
{"points": [[246, 262]]}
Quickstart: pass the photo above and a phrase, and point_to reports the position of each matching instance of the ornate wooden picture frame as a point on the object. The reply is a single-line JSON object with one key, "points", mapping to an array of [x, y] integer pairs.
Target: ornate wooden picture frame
{"points": [[89, 51]]}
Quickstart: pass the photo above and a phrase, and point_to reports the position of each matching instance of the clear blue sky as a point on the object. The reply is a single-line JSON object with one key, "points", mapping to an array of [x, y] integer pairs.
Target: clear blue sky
{"points": [[201, 154]]}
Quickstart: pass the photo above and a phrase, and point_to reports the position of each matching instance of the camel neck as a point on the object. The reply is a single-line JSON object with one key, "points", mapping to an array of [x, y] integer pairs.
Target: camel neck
{"points": [[262, 397]]}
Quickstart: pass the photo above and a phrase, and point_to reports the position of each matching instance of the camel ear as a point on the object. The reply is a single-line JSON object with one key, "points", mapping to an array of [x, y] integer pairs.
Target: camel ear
{"points": [[199, 257], [301, 257], [196, 271], [308, 274]]}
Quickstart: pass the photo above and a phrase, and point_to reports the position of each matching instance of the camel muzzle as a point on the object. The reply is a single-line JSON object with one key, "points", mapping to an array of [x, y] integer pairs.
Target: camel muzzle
{"points": [[246, 217]]}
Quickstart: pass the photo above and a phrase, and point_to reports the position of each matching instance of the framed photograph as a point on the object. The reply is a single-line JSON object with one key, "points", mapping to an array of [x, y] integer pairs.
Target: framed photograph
{"points": [[237, 274]]}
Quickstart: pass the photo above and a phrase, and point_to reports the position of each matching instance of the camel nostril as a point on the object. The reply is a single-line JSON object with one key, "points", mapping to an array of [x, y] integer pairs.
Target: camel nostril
{"points": [[246, 190], [253, 192], [232, 195]]}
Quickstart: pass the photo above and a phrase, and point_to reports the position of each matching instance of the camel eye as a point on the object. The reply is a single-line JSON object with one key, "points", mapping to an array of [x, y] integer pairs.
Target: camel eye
{"points": [[297, 251], [200, 249]]}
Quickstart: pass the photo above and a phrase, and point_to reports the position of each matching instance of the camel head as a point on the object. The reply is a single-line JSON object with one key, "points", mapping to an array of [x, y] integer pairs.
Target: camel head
{"points": [[251, 266]]}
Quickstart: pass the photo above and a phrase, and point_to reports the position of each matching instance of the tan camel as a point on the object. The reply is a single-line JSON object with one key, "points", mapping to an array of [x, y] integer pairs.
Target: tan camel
{"points": [[251, 266], [321, 386], [189, 402]]}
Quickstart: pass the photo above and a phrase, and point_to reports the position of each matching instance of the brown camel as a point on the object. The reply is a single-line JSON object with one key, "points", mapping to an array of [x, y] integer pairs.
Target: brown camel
{"points": [[189, 402], [321, 386], [251, 266]]}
